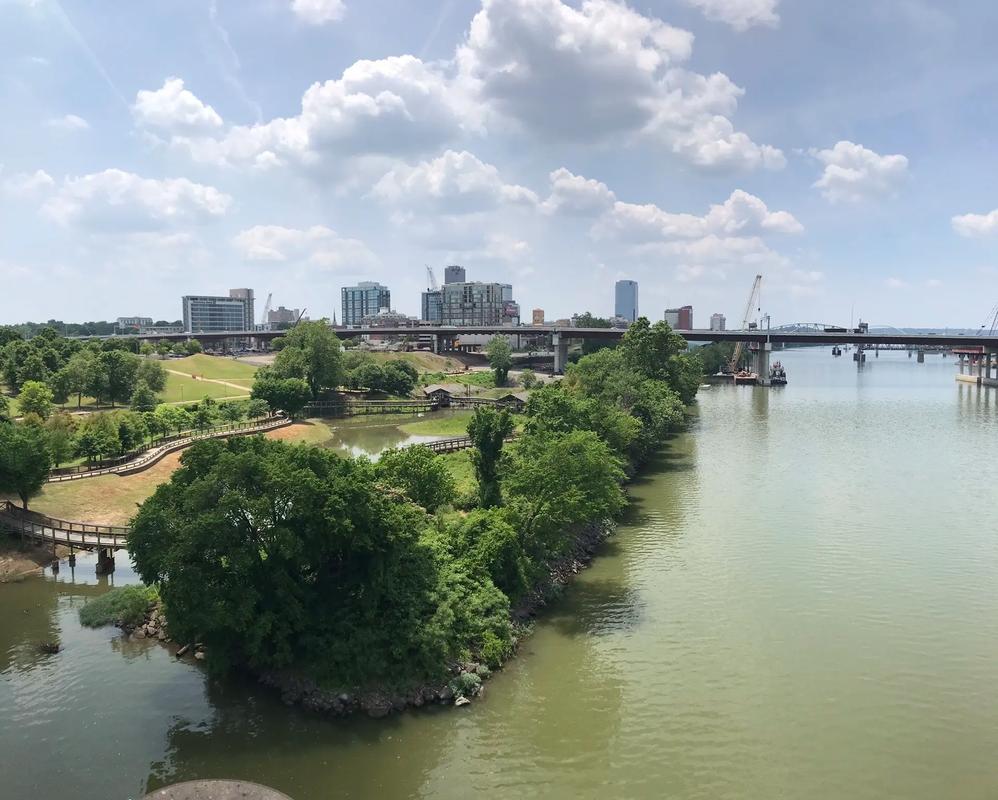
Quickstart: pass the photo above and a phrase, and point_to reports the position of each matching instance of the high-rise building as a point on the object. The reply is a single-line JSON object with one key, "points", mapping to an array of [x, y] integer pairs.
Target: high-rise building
{"points": [[626, 300], [363, 300], [537, 316], [135, 323], [680, 318], [717, 322], [472, 303], [432, 307], [208, 314], [283, 316], [455, 274]]}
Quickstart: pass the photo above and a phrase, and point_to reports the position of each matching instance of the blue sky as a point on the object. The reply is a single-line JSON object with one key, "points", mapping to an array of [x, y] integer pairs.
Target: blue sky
{"points": [[843, 150]]}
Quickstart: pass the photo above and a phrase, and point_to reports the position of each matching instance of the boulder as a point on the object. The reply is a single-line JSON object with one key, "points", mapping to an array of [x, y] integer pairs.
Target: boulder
{"points": [[199, 655], [462, 701], [139, 633]]}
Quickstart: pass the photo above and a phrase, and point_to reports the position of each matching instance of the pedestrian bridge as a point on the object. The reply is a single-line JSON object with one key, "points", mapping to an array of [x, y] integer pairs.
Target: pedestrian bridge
{"points": [[76, 535]]}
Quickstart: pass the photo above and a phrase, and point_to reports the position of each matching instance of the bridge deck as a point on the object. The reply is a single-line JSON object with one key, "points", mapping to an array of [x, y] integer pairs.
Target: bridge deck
{"points": [[59, 531]]}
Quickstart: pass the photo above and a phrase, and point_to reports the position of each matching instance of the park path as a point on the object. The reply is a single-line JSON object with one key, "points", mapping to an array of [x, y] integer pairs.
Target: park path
{"points": [[244, 389]]}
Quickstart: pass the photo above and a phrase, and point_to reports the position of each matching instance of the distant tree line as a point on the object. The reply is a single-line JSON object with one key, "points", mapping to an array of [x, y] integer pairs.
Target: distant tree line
{"points": [[28, 330]]}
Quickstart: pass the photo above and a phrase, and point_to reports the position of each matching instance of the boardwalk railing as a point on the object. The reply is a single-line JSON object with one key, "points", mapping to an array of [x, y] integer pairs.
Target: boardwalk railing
{"points": [[59, 531], [348, 408], [451, 445], [149, 456]]}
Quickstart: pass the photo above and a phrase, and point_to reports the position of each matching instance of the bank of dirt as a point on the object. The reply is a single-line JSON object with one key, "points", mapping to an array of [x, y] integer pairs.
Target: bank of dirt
{"points": [[17, 559]]}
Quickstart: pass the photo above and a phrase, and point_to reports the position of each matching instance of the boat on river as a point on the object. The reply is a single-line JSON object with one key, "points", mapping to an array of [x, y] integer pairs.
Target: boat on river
{"points": [[777, 375], [836, 350]]}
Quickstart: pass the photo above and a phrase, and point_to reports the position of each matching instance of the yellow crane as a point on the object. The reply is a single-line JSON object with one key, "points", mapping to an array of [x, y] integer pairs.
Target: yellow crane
{"points": [[756, 289]]}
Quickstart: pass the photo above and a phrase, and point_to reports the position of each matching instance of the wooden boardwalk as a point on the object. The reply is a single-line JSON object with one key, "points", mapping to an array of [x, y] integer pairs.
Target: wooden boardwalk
{"points": [[152, 456], [78, 535]]}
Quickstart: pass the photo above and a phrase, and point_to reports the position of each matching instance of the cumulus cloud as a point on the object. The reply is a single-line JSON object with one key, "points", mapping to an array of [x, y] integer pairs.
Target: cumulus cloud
{"points": [[975, 225], [589, 75], [739, 14], [69, 122], [174, 108], [318, 12], [600, 71], [578, 196], [318, 245], [116, 201], [454, 183], [28, 184], [395, 106], [741, 215], [854, 173]]}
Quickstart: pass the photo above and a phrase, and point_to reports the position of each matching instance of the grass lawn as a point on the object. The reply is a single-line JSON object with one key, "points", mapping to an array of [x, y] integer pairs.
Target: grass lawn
{"points": [[213, 368], [181, 388], [460, 467], [422, 360], [439, 423]]}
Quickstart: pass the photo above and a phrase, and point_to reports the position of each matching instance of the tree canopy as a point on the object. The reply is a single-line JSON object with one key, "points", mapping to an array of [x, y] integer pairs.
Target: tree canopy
{"points": [[500, 358], [312, 352], [24, 460]]}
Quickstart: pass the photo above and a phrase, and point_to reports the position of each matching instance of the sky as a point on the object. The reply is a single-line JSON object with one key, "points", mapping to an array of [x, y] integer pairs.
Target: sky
{"points": [[845, 151]]}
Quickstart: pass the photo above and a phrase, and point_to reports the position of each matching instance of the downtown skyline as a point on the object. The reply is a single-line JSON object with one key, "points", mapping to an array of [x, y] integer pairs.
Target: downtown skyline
{"points": [[297, 147]]}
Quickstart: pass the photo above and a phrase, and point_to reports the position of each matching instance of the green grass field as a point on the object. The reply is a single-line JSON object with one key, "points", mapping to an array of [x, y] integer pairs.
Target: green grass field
{"points": [[460, 467], [213, 368], [181, 388], [439, 423]]}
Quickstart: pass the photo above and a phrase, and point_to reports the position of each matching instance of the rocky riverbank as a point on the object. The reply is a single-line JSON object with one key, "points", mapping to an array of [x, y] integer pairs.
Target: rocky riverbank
{"points": [[154, 626]]}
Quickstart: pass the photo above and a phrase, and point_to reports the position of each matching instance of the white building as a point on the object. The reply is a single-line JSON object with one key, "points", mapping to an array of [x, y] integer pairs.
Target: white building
{"points": [[717, 322]]}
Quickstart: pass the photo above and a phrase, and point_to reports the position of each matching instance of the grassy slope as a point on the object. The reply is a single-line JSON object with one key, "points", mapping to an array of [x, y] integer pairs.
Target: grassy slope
{"points": [[213, 367], [460, 467], [423, 361], [186, 389]]}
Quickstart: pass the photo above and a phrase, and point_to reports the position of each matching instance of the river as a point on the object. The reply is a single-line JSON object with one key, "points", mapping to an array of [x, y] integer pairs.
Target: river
{"points": [[802, 602]]}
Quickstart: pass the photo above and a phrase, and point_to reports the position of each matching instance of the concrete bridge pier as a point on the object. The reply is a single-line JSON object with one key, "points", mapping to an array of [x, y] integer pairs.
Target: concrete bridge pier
{"points": [[436, 343], [921, 356], [559, 344], [762, 364], [105, 561], [859, 356]]}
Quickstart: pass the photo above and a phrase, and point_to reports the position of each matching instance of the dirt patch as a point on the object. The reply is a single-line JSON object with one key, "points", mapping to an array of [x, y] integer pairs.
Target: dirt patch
{"points": [[17, 560]]}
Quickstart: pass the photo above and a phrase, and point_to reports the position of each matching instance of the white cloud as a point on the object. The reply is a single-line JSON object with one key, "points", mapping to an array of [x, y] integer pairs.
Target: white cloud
{"points": [[395, 106], [174, 108], [575, 195], [454, 183], [895, 283], [974, 225], [318, 12], [854, 173], [318, 245], [116, 201], [739, 14], [69, 122], [28, 184], [742, 214], [601, 71]]}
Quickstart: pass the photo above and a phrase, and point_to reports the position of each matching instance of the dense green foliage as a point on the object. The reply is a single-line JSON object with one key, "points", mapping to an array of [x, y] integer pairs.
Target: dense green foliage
{"points": [[418, 473], [289, 395], [309, 351], [488, 429], [357, 573], [500, 358], [717, 357], [125, 605], [24, 460], [397, 377]]}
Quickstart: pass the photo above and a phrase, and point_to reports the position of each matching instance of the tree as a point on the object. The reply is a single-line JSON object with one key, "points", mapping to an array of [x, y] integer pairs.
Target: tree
{"points": [[35, 398], [500, 358], [98, 437], [231, 412], [418, 472], [205, 414], [290, 395], [60, 431], [152, 373], [275, 555], [143, 398], [528, 379], [174, 418], [193, 347], [24, 460], [4, 408], [120, 368], [146, 349], [79, 374], [488, 429], [553, 410], [60, 385], [311, 351], [554, 481], [256, 408]]}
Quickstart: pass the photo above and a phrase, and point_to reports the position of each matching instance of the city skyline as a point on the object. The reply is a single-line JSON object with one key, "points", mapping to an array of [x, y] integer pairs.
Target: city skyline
{"points": [[389, 139]]}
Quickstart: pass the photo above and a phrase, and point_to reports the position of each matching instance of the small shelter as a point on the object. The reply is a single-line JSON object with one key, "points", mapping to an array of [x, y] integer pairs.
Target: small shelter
{"points": [[514, 401], [441, 395]]}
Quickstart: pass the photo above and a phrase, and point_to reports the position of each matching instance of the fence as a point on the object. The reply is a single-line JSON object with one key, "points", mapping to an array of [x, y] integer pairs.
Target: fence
{"points": [[60, 531]]}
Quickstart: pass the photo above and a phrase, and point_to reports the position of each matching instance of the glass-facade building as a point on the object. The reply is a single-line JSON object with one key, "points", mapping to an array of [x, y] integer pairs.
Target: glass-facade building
{"points": [[626, 300], [207, 314], [363, 300], [432, 310]]}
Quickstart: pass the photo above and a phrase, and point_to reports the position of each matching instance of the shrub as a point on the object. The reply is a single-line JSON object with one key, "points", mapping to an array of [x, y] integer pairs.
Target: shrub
{"points": [[125, 605]]}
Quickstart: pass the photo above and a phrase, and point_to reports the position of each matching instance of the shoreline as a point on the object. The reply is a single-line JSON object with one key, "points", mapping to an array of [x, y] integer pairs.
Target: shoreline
{"points": [[18, 559]]}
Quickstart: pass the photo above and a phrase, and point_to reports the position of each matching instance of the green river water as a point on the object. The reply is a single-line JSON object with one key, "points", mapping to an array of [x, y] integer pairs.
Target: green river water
{"points": [[802, 602]]}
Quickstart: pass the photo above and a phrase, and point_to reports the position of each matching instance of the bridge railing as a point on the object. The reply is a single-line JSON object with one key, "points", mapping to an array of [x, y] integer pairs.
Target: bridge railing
{"points": [[59, 531]]}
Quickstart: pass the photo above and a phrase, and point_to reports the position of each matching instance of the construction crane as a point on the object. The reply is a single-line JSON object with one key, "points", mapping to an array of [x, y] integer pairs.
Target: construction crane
{"points": [[753, 295], [431, 279], [266, 308]]}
